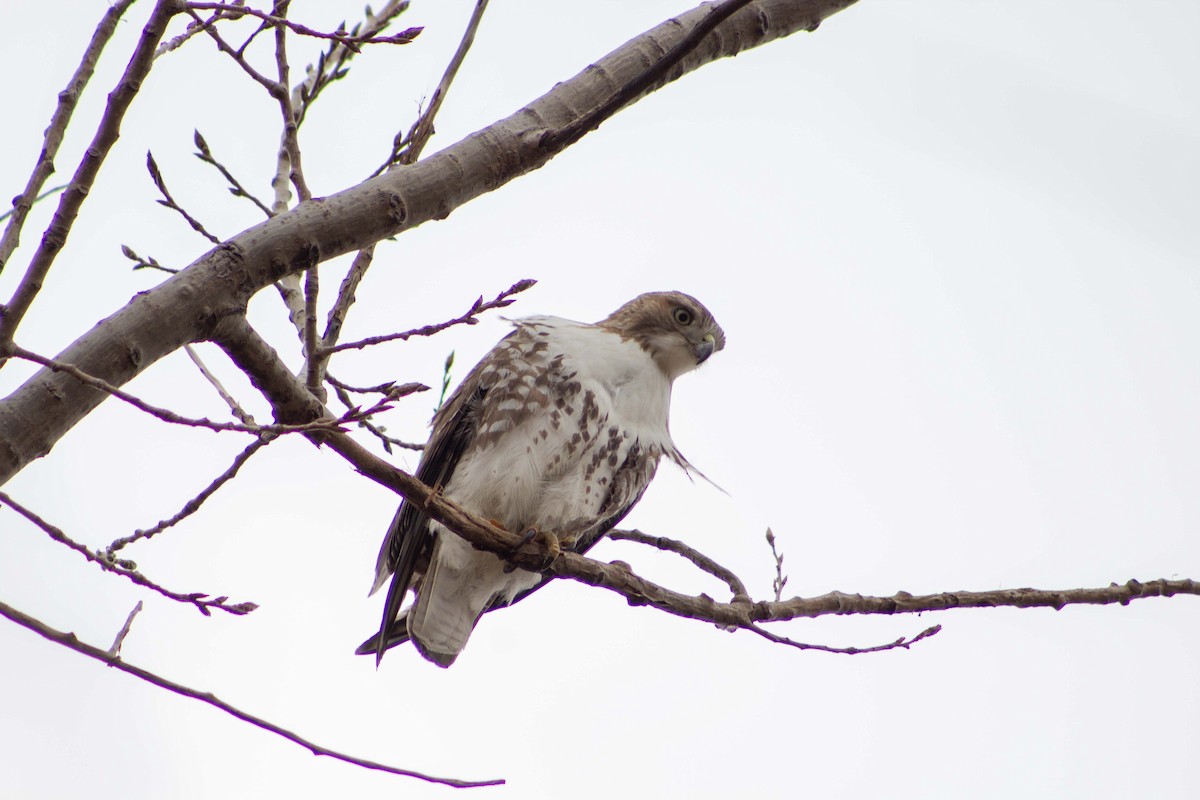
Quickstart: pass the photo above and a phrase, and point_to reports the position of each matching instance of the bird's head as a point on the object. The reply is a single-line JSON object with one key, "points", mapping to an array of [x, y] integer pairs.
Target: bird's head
{"points": [[676, 329]]}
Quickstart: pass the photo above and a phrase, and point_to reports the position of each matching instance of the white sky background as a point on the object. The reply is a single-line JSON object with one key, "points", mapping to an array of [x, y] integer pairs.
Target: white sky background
{"points": [[954, 246]]}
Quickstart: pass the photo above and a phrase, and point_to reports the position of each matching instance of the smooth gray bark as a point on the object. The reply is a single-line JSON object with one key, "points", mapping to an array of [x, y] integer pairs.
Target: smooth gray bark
{"points": [[187, 307]]}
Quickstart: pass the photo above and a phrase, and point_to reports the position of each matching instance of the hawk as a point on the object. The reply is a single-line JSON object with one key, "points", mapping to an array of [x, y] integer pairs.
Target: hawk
{"points": [[557, 431]]}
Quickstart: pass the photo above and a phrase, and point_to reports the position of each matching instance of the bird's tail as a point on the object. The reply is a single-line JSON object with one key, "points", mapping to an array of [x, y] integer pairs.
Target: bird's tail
{"points": [[445, 613]]}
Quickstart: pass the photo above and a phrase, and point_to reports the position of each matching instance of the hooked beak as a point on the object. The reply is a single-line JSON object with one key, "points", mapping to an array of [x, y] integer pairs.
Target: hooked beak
{"points": [[705, 348]]}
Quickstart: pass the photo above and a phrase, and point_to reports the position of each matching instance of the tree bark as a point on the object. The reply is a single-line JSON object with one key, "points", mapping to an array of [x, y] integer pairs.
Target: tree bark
{"points": [[188, 306]]}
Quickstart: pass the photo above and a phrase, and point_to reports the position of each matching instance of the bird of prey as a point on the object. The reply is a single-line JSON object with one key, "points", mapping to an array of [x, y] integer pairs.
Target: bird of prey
{"points": [[557, 431]]}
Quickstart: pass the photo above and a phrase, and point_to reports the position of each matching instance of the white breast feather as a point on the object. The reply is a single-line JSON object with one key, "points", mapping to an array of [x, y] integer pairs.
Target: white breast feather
{"points": [[517, 481]]}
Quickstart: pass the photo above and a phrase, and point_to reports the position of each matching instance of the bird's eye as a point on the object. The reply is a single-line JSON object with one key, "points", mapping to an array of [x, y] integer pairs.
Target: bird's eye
{"points": [[682, 315]]}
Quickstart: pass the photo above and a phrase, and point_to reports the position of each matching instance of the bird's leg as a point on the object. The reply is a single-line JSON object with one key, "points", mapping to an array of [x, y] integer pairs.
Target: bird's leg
{"points": [[543, 544]]}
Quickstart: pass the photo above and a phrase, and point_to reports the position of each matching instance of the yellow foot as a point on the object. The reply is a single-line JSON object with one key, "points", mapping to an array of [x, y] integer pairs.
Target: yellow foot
{"points": [[542, 546]]}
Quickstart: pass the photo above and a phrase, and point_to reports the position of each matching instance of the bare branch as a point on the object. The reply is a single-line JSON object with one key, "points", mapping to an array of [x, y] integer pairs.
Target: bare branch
{"points": [[233, 404], [127, 569], [280, 22], [407, 149], [390, 389], [193, 505], [469, 318], [780, 579], [119, 99], [197, 26], [70, 641], [169, 202], [314, 360], [235, 187], [167, 415], [345, 298], [901, 643], [68, 98], [736, 587], [184, 308], [290, 144], [273, 88], [375, 430], [332, 64], [145, 263], [257, 359], [115, 650]]}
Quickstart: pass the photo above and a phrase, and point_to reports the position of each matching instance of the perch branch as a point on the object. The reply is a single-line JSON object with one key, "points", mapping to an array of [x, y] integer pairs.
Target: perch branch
{"points": [[255, 357]]}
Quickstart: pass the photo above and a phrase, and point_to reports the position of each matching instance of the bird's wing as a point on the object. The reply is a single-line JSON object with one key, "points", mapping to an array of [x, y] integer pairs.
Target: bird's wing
{"points": [[409, 540]]}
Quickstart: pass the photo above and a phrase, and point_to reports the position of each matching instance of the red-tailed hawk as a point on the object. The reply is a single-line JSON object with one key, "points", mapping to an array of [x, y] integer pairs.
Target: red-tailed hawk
{"points": [[559, 430]]}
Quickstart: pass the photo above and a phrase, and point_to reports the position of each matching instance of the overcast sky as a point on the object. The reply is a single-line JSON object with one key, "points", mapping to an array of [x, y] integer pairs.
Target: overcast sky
{"points": [[954, 246]]}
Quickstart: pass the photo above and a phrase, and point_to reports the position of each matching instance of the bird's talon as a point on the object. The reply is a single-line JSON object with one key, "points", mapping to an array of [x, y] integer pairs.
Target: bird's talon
{"points": [[541, 544]]}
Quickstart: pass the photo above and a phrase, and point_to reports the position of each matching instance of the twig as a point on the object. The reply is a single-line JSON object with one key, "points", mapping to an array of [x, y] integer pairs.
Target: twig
{"points": [[278, 21], [52, 139], [407, 149], [314, 360], [167, 415], [119, 99], [201, 601], [115, 650], [144, 263], [69, 640], [736, 587], [902, 642], [235, 186], [236, 54], [780, 579], [415, 142], [290, 143], [470, 318], [169, 202], [390, 389], [377, 431], [234, 407], [199, 26], [331, 65], [193, 505], [345, 298]]}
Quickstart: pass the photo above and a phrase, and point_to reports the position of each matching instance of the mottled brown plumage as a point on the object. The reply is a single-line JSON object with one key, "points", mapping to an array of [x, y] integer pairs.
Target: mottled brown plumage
{"points": [[558, 429]]}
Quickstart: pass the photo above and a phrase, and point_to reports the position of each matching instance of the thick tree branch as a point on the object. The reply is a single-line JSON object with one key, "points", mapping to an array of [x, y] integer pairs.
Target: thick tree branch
{"points": [[186, 307], [70, 641]]}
